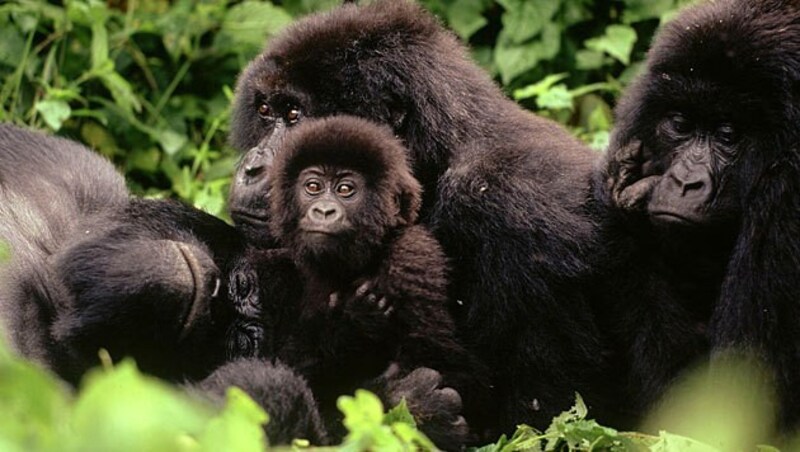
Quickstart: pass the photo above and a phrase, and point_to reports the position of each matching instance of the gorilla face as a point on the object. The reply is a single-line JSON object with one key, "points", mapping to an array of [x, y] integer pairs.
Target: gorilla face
{"points": [[697, 187]]}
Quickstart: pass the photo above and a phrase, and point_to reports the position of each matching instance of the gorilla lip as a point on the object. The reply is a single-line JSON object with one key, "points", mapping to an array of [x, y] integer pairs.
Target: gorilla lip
{"points": [[196, 306], [250, 216], [663, 216]]}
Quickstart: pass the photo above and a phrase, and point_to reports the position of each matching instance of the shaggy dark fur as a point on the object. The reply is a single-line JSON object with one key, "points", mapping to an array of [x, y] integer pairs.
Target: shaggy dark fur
{"points": [[704, 176], [93, 268], [342, 341], [505, 192]]}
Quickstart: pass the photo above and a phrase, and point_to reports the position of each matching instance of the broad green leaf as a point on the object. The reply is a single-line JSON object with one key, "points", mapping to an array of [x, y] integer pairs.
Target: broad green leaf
{"points": [[54, 112], [35, 405], [399, 414], [555, 98], [171, 141], [639, 10], [513, 60], [120, 89], [238, 427], [465, 17], [248, 24], [524, 19], [302, 7], [617, 41], [12, 44], [123, 410]]}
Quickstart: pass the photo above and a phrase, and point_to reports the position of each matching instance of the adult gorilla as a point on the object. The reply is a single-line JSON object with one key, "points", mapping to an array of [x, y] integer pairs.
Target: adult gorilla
{"points": [[91, 267], [504, 191], [704, 173]]}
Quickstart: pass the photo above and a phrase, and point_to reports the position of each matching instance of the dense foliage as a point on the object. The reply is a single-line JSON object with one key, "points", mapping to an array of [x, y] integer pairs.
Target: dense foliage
{"points": [[148, 82]]}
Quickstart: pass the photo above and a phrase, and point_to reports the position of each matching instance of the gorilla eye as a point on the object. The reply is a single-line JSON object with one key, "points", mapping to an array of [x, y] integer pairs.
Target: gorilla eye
{"points": [[313, 187], [345, 190], [726, 134], [680, 124], [293, 115], [264, 110]]}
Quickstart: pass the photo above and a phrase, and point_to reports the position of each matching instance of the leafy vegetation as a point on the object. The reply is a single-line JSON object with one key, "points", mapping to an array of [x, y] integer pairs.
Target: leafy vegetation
{"points": [[148, 83], [118, 408]]}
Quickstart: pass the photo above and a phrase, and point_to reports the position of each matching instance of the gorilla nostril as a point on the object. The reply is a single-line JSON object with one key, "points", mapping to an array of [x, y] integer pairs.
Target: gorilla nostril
{"points": [[253, 170], [692, 186]]}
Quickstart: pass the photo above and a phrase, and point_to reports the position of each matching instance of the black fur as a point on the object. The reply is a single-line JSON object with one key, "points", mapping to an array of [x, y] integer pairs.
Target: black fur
{"points": [[342, 337], [730, 278], [93, 268], [506, 193]]}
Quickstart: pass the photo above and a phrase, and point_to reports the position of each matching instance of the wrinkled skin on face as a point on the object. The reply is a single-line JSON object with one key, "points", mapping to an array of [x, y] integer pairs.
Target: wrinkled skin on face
{"points": [[686, 178]]}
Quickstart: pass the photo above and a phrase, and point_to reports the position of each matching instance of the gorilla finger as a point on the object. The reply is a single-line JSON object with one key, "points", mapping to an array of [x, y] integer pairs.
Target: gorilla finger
{"points": [[333, 300], [363, 289], [449, 399], [424, 378], [635, 196]]}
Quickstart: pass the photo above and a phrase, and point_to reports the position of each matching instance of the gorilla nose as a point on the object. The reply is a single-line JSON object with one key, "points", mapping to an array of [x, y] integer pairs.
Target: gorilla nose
{"points": [[253, 166], [690, 182], [325, 212]]}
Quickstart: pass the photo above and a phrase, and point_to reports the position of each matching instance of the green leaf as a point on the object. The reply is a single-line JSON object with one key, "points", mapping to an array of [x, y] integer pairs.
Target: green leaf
{"points": [[399, 414], [171, 141], [556, 98], [668, 442], [465, 17], [513, 60], [538, 88], [35, 405], [54, 112], [524, 19], [617, 41], [123, 410], [238, 427], [120, 89], [247, 25]]}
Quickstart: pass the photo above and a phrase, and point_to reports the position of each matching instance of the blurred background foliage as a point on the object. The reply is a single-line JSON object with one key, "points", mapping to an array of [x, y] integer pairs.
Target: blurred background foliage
{"points": [[148, 83]]}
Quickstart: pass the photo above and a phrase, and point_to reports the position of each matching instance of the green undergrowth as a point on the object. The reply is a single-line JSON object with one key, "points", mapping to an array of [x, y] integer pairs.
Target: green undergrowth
{"points": [[118, 408]]}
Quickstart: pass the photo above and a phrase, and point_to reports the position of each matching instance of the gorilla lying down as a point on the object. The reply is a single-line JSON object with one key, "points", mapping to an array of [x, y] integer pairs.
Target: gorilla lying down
{"points": [[703, 176], [93, 267]]}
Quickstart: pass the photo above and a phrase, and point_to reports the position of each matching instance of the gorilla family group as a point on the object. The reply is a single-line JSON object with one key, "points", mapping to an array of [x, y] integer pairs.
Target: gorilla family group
{"points": [[400, 225]]}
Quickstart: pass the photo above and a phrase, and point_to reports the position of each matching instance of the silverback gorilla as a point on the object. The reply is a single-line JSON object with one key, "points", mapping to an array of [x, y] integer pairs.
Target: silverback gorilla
{"points": [[704, 175], [93, 268], [343, 204], [506, 193]]}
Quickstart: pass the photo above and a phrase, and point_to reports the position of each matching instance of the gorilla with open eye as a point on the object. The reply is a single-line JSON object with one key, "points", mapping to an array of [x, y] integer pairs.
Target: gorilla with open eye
{"points": [[703, 176], [506, 193], [374, 285], [90, 267]]}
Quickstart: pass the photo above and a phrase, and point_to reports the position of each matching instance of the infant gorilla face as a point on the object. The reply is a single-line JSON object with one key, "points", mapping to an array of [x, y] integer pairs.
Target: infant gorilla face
{"points": [[329, 196]]}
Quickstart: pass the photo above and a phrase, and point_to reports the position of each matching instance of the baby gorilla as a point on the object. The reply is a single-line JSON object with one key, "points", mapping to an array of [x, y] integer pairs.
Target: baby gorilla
{"points": [[371, 285]]}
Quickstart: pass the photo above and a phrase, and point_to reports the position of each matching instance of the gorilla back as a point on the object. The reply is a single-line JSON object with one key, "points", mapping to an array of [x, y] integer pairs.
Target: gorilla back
{"points": [[91, 267], [504, 191]]}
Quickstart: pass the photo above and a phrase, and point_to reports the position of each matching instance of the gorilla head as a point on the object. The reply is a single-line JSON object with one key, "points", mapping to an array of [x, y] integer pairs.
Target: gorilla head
{"points": [[334, 207], [710, 114]]}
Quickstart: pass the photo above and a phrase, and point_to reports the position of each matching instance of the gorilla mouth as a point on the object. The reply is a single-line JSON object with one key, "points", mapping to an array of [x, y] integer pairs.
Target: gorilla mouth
{"points": [[250, 217], [193, 311], [672, 218]]}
